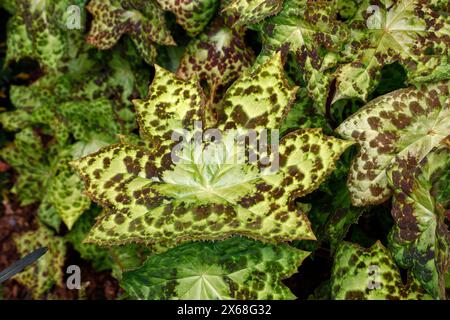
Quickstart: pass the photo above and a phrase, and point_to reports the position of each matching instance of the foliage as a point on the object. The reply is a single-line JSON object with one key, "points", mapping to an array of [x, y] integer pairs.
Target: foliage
{"points": [[109, 132]]}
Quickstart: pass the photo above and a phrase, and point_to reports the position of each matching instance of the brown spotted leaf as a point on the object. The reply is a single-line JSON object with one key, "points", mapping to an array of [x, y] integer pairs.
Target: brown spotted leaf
{"points": [[310, 29], [208, 190], [420, 239], [253, 11], [142, 20], [406, 31], [236, 268], [48, 270], [370, 274], [399, 125], [259, 100], [192, 15], [217, 56]]}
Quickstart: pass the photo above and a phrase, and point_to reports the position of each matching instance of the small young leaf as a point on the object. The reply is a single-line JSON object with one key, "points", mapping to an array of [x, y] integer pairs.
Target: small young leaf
{"points": [[192, 15], [152, 199]]}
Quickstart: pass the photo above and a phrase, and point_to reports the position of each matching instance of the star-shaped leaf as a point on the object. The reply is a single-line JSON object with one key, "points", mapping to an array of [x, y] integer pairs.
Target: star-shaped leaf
{"points": [[211, 194], [370, 274], [236, 268], [420, 239], [407, 31], [404, 123], [48, 270]]}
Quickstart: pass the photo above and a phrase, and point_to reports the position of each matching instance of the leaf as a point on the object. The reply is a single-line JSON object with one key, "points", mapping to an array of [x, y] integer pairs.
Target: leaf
{"points": [[26, 156], [406, 31], [259, 100], [65, 192], [311, 30], [142, 20], [192, 15], [153, 200], [370, 274], [303, 115], [217, 56], [420, 240], [38, 31], [253, 11], [47, 271], [404, 123], [236, 268]]}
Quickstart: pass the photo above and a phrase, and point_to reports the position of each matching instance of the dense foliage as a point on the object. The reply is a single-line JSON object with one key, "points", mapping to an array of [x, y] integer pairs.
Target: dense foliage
{"points": [[93, 92]]}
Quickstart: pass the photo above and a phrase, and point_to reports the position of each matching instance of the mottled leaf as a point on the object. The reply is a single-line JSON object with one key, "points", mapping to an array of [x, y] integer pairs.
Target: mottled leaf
{"points": [[311, 30], [192, 15], [217, 56], [420, 239], [370, 274], [253, 11], [402, 124], [65, 192], [236, 268], [142, 20], [48, 270], [407, 31]]}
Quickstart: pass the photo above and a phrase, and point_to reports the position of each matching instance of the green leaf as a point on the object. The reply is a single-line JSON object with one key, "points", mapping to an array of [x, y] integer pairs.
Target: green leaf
{"points": [[407, 31], [370, 274], [151, 199], [420, 239], [404, 123], [192, 15], [253, 11], [236, 268], [48, 270], [142, 20]]}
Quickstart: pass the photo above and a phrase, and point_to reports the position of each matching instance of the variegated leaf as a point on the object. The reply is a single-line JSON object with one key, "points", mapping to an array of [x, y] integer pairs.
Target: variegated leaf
{"points": [[370, 274], [259, 100], [310, 29], [253, 11], [192, 15], [407, 31], [217, 56], [404, 123], [211, 193], [420, 239], [236, 268], [65, 192], [38, 31], [142, 20], [48, 270]]}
